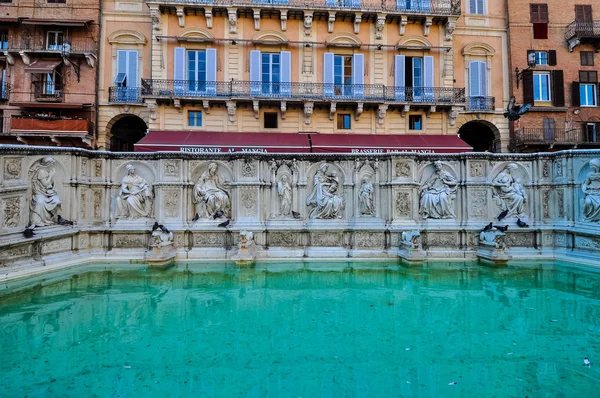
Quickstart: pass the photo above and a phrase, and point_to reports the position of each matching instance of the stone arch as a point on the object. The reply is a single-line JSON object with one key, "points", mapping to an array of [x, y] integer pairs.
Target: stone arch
{"points": [[124, 130], [196, 32], [481, 134], [224, 172], [428, 169], [312, 170], [127, 36], [270, 36], [521, 172], [345, 39], [478, 49], [414, 41], [141, 168]]}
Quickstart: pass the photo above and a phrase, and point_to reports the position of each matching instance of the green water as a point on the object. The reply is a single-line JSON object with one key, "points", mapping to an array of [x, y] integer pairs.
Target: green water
{"points": [[325, 332]]}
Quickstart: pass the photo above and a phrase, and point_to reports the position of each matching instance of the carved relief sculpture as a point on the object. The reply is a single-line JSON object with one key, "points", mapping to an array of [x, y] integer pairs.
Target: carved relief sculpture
{"points": [[45, 203], [437, 194], [509, 194], [411, 240], [591, 191], [366, 205], [135, 198], [324, 199], [284, 191], [210, 195]]}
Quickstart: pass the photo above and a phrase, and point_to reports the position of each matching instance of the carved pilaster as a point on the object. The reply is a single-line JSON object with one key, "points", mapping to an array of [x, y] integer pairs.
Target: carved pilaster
{"points": [[283, 17], [209, 17], [308, 110], [402, 24], [180, 16], [357, 21]]}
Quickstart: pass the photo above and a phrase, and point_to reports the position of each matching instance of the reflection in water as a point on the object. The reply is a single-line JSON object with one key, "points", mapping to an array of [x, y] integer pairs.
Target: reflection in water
{"points": [[394, 332]]}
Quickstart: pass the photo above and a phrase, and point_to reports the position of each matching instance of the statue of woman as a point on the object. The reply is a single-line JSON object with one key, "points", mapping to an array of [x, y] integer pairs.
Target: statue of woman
{"points": [[591, 190], [509, 193], [45, 202], [365, 198], [210, 196], [135, 197], [324, 199], [284, 190], [437, 194]]}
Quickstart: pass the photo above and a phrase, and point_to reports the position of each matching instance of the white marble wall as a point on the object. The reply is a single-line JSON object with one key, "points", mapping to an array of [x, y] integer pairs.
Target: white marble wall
{"points": [[88, 184]]}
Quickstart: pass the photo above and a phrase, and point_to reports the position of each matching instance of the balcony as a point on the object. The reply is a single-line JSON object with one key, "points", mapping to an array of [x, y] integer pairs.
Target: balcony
{"points": [[481, 104], [47, 92], [406, 7], [299, 92], [536, 137], [124, 95], [578, 32], [58, 130], [39, 44]]}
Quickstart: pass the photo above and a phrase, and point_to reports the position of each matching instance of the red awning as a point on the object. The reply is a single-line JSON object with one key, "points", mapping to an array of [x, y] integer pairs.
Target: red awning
{"points": [[367, 144], [56, 22], [218, 142]]}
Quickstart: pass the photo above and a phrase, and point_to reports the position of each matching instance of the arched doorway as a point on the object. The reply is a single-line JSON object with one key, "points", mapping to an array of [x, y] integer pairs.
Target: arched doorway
{"points": [[125, 132], [483, 136]]}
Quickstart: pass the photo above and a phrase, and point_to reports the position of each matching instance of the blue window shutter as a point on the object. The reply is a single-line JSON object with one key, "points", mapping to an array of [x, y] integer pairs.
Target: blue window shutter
{"points": [[132, 69], [255, 77], [286, 72], [358, 74], [474, 79], [331, 3], [425, 5], [121, 61], [328, 74], [179, 70], [399, 77], [211, 71], [483, 78], [401, 4], [428, 77], [3, 82]]}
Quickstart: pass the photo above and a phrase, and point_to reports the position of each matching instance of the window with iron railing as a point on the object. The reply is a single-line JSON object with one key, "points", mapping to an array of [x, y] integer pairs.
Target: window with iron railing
{"points": [[4, 39]]}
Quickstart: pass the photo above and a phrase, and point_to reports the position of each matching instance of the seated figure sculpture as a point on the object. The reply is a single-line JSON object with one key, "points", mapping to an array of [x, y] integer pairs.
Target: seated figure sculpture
{"points": [[325, 201], [437, 194], [591, 190], [135, 198], [45, 202], [210, 196], [509, 193]]}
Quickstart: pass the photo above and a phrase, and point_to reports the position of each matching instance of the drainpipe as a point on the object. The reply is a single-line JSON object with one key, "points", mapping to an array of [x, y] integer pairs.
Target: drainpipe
{"points": [[98, 45]]}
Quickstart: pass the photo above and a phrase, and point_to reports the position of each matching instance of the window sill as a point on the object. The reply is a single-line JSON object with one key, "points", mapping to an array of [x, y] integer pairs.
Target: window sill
{"points": [[547, 108]]}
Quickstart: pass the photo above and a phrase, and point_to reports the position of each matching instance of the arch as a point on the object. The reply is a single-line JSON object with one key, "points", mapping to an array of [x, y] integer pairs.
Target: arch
{"points": [[127, 36], [482, 135], [343, 39], [270, 36], [478, 49], [126, 130], [428, 169], [196, 32], [223, 170], [142, 169], [414, 41]]}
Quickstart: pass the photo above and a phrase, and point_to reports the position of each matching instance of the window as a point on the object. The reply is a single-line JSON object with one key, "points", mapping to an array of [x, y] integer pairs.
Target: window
{"points": [[342, 74], [587, 94], [476, 7], [539, 18], [592, 130], [541, 58], [271, 73], [588, 76], [194, 118], [51, 84], [3, 39], [583, 13], [126, 78], [415, 122], [196, 70], [270, 120], [587, 58], [57, 1], [343, 121], [541, 87], [478, 83], [54, 40]]}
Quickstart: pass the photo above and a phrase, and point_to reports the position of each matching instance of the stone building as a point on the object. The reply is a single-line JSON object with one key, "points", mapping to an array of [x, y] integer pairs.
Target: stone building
{"points": [[553, 50], [48, 70], [346, 67]]}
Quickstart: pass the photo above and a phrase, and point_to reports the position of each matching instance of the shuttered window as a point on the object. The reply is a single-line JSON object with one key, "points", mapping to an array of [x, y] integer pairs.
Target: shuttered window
{"points": [[583, 13], [587, 58], [476, 7], [539, 13], [588, 76], [558, 88]]}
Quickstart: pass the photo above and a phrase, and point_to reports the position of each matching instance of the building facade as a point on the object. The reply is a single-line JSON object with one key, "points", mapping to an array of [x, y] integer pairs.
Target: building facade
{"points": [[346, 67], [48, 71], [553, 50]]}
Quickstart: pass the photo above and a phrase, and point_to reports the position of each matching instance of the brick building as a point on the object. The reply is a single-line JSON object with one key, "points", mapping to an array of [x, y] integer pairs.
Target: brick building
{"points": [[554, 67], [48, 71], [391, 68]]}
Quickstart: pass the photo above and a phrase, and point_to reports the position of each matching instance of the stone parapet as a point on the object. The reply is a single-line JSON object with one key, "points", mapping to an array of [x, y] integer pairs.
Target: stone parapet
{"points": [[295, 206]]}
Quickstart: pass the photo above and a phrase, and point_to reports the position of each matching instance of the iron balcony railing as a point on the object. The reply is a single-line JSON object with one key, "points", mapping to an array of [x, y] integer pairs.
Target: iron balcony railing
{"points": [[47, 92], [124, 95], [428, 7], [583, 30], [547, 136], [236, 89], [480, 104], [41, 43]]}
